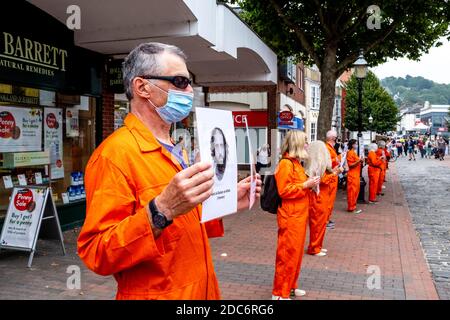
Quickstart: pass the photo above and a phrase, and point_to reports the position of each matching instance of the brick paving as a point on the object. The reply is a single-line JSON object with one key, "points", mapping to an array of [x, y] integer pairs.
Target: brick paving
{"points": [[427, 186], [382, 236]]}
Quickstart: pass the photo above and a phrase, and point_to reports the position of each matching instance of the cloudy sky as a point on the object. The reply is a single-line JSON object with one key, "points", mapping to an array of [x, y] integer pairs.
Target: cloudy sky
{"points": [[434, 66]]}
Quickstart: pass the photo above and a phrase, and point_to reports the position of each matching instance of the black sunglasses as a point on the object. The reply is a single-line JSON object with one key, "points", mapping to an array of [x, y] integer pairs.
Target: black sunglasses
{"points": [[180, 82]]}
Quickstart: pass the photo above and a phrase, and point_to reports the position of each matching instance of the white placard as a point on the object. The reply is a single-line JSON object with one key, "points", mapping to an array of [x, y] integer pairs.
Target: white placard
{"points": [[53, 141], [217, 144], [22, 179], [7, 180], [20, 129], [252, 194], [38, 177], [21, 222], [65, 197]]}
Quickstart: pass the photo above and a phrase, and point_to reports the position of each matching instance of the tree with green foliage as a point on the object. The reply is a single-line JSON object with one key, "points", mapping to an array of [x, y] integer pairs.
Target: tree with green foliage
{"points": [[376, 102], [331, 34]]}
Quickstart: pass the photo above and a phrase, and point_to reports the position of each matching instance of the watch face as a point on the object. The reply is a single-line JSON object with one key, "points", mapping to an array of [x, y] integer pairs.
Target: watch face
{"points": [[159, 220]]}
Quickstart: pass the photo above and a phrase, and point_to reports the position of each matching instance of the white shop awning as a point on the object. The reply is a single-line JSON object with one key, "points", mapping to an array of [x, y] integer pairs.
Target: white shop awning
{"points": [[221, 49]]}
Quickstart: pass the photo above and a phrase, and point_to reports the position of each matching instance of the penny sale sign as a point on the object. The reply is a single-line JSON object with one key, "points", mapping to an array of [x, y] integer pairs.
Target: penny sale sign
{"points": [[20, 129], [23, 217]]}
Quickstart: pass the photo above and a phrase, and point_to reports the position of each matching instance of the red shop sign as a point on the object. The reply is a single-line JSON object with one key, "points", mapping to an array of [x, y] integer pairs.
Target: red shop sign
{"points": [[254, 118]]}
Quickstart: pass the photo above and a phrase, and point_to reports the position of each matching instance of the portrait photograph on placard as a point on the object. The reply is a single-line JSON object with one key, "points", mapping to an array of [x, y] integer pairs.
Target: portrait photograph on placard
{"points": [[217, 145]]}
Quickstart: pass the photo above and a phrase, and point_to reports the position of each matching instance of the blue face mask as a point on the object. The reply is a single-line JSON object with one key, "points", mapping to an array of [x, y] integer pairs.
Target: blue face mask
{"points": [[178, 105]]}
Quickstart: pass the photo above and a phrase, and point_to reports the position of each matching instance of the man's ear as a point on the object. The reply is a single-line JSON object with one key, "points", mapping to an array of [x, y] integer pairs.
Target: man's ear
{"points": [[140, 88]]}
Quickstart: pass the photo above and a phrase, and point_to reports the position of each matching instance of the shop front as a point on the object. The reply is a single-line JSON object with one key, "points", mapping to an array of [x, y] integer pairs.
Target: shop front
{"points": [[49, 92], [257, 125]]}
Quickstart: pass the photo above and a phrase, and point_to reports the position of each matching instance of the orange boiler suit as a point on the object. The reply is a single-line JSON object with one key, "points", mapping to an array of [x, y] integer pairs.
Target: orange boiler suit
{"points": [[124, 173], [292, 218], [383, 168], [374, 172], [330, 189], [353, 179], [318, 214]]}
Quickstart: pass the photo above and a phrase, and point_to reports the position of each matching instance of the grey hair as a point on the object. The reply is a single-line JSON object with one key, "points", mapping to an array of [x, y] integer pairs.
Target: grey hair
{"points": [[145, 60], [373, 147], [381, 144], [331, 134]]}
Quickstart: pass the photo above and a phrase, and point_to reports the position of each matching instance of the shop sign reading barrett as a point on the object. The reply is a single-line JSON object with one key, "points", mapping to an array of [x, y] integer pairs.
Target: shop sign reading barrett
{"points": [[25, 59]]}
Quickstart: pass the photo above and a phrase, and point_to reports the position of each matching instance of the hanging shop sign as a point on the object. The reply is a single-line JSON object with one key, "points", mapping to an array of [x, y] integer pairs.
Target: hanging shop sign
{"points": [[287, 120], [28, 207], [53, 141], [20, 129], [115, 76]]}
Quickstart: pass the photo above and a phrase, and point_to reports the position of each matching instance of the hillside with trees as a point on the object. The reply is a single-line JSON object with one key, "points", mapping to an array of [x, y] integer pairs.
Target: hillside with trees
{"points": [[410, 90]]}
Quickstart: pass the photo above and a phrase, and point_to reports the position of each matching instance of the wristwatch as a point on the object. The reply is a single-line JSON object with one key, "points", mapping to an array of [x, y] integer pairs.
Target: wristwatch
{"points": [[160, 221]]}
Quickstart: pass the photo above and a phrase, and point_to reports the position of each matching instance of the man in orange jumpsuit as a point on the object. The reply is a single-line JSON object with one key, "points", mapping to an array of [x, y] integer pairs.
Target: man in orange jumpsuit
{"points": [[374, 172], [331, 189], [143, 201], [353, 176], [382, 150]]}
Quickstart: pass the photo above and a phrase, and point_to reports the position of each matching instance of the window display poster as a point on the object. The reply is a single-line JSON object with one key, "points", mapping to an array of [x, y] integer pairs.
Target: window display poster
{"points": [[217, 144], [72, 122], [22, 218], [8, 182], [53, 141], [22, 179], [20, 129]]}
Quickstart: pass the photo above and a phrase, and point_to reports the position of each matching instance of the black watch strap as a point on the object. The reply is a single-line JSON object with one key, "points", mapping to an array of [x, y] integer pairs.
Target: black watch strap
{"points": [[159, 219]]}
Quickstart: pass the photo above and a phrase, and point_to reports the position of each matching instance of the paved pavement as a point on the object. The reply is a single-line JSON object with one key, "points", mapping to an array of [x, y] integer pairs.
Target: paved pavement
{"points": [[380, 240], [426, 183]]}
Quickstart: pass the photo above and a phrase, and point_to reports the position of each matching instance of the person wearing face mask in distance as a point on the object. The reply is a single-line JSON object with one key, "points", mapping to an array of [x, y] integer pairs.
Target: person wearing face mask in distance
{"points": [[353, 176], [292, 216], [143, 207], [318, 164]]}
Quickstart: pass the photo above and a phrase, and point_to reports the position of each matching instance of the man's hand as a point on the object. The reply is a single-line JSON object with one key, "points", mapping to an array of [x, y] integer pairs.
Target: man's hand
{"points": [[186, 190], [312, 182], [243, 191]]}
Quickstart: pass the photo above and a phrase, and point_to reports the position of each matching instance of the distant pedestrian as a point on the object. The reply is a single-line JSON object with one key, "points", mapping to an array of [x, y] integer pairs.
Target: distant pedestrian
{"points": [[441, 146], [399, 148], [420, 145], [429, 148], [411, 145], [263, 158]]}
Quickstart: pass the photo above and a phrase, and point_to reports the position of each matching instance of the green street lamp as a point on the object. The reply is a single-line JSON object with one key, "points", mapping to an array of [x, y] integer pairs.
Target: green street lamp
{"points": [[361, 69]]}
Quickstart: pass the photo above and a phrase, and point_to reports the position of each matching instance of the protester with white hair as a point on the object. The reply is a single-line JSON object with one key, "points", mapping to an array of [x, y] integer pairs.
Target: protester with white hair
{"points": [[374, 171], [382, 151], [331, 189], [318, 164]]}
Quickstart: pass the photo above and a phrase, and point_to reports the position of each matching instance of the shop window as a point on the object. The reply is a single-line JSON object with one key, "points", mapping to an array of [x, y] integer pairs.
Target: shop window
{"points": [[258, 136], [26, 144]]}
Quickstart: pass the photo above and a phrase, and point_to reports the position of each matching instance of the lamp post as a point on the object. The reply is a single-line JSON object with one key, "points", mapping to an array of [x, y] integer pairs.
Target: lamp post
{"points": [[361, 67], [370, 122], [430, 125]]}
